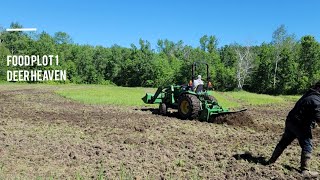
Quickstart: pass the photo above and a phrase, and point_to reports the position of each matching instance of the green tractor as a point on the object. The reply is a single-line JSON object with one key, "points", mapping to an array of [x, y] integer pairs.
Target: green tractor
{"points": [[191, 102]]}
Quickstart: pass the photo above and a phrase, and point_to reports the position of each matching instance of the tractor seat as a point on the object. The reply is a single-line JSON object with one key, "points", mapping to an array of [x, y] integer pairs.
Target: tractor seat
{"points": [[199, 88]]}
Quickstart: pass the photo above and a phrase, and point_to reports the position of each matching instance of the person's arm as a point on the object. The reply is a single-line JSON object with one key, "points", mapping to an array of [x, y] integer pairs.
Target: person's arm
{"points": [[316, 112]]}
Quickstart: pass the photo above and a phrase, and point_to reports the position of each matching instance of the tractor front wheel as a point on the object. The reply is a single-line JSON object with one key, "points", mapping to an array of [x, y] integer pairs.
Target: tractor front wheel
{"points": [[188, 106], [163, 109]]}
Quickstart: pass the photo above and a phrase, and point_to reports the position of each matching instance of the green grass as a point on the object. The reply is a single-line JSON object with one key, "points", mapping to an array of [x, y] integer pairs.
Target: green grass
{"points": [[255, 99], [260, 99], [4, 82], [290, 97], [101, 94], [225, 101]]}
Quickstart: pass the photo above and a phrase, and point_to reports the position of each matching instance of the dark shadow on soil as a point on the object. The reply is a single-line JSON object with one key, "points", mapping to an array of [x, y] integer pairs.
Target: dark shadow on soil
{"points": [[156, 111], [290, 168], [250, 158], [261, 160], [153, 110]]}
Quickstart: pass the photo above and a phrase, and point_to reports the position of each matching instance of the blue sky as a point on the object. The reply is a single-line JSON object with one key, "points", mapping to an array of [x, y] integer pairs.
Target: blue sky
{"points": [[99, 22]]}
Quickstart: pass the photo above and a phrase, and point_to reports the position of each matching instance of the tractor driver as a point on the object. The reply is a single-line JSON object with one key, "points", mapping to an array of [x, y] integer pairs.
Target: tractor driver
{"points": [[197, 82]]}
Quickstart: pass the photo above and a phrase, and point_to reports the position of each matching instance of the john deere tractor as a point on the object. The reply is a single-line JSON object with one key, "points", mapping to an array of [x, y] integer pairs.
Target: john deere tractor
{"points": [[192, 102]]}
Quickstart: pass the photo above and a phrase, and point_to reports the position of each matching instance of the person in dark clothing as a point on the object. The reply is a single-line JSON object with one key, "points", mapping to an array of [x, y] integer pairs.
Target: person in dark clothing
{"points": [[299, 123]]}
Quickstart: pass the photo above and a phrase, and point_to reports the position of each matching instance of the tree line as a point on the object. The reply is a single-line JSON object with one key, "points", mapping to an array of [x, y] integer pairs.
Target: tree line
{"points": [[283, 66]]}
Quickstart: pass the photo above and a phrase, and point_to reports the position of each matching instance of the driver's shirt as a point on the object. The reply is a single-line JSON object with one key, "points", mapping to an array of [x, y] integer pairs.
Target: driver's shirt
{"points": [[197, 82]]}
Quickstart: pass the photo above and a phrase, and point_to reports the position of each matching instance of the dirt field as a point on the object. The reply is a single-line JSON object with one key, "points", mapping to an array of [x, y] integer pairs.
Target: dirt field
{"points": [[46, 136]]}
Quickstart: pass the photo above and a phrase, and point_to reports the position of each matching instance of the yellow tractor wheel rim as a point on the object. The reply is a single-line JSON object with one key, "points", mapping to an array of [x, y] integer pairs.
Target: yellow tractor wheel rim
{"points": [[184, 107]]}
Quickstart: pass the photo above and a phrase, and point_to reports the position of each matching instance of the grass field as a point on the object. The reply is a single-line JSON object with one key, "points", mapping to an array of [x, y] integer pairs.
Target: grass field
{"points": [[100, 94]]}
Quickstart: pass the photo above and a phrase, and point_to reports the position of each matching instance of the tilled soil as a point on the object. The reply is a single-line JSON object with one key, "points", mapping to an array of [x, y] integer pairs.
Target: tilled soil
{"points": [[44, 135]]}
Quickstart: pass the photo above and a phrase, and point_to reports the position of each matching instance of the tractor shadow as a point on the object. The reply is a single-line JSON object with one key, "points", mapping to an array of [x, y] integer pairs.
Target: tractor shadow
{"points": [[173, 114], [152, 110]]}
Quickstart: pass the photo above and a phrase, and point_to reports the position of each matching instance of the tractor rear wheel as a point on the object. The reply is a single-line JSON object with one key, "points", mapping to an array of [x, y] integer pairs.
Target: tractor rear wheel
{"points": [[211, 98], [188, 106], [163, 109]]}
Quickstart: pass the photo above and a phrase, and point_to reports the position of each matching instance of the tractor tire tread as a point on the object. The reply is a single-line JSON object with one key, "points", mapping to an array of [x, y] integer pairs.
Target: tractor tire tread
{"points": [[195, 106], [162, 108]]}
